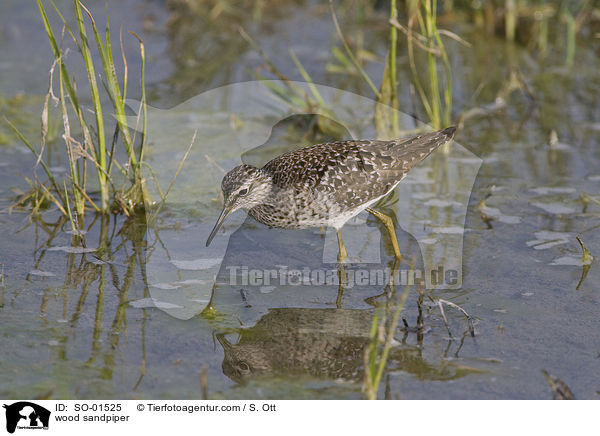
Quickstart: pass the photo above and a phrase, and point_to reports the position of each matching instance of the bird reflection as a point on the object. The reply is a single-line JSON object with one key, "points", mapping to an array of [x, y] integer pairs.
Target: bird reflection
{"points": [[324, 343]]}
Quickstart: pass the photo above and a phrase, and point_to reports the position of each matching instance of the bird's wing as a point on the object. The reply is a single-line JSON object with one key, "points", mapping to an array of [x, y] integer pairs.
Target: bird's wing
{"points": [[353, 170]]}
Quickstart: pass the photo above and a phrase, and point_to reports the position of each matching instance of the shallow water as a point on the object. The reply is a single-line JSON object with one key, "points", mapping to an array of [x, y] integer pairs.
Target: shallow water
{"points": [[125, 320]]}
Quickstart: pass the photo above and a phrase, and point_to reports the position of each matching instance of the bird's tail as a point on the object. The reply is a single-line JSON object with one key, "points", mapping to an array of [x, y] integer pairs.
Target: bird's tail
{"points": [[413, 150]]}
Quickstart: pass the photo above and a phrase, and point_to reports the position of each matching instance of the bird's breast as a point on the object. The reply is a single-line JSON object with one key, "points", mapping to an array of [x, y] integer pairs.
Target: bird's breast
{"points": [[296, 209]]}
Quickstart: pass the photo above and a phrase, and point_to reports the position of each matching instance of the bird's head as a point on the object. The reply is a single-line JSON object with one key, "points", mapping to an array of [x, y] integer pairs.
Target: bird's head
{"points": [[243, 187]]}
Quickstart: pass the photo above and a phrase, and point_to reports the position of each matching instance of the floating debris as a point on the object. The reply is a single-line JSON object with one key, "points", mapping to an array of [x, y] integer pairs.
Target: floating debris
{"points": [[201, 300], [267, 289], [546, 239], [493, 212], [196, 264], [73, 250], [146, 303], [567, 260], [546, 190], [192, 282], [37, 272], [554, 208], [452, 230], [164, 286]]}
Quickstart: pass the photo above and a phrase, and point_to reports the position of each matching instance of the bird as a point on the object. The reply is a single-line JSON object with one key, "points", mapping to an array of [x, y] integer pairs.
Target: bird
{"points": [[325, 185]]}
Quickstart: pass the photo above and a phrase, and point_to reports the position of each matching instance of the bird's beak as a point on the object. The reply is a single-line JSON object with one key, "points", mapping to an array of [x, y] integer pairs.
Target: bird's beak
{"points": [[224, 214], [223, 341]]}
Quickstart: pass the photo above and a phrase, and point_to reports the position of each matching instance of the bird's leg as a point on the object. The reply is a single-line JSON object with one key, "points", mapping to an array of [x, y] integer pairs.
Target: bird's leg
{"points": [[390, 287], [389, 225], [342, 250], [341, 284]]}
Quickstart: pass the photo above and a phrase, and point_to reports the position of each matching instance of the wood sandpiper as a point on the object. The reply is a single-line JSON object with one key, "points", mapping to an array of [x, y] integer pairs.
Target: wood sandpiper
{"points": [[326, 184]]}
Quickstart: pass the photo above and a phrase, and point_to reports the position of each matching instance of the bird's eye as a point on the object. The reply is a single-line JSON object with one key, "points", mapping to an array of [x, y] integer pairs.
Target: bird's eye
{"points": [[243, 367], [243, 191]]}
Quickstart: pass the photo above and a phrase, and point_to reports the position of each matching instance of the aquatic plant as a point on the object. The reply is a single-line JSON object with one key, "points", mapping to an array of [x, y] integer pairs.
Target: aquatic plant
{"points": [[436, 94], [383, 327], [90, 151]]}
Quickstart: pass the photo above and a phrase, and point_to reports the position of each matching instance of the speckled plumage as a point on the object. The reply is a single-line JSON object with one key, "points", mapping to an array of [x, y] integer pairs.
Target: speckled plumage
{"points": [[325, 184]]}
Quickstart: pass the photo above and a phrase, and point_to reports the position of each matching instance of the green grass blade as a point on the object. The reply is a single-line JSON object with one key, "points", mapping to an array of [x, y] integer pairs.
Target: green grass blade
{"points": [[74, 169], [307, 79], [570, 56], [357, 64], [57, 54], [65, 24], [89, 65], [112, 83], [143, 105]]}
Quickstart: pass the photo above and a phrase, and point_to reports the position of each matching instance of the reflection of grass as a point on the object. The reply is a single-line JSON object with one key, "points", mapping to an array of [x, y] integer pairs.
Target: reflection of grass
{"points": [[106, 282], [2, 285], [586, 260], [586, 256], [382, 334]]}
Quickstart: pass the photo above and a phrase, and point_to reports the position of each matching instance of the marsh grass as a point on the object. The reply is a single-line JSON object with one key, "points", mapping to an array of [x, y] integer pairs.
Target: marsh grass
{"points": [[529, 22], [424, 40], [383, 327], [435, 92], [89, 151]]}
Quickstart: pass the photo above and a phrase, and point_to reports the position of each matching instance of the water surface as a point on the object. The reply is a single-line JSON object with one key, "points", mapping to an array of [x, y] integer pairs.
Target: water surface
{"points": [[123, 320]]}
